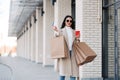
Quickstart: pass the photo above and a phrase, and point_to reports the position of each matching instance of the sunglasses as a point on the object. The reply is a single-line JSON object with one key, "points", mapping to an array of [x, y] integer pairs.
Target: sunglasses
{"points": [[69, 21]]}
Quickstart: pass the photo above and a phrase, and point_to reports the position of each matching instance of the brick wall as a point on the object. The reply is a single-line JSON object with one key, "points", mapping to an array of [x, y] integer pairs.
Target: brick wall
{"points": [[111, 42], [88, 20]]}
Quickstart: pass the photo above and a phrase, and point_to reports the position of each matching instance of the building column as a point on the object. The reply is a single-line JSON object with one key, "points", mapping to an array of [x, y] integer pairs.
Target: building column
{"points": [[34, 37], [88, 21], [39, 36], [18, 47], [25, 42], [48, 19], [33, 49], [22, 48], [31, 31], [61, 10], [29, 40]]}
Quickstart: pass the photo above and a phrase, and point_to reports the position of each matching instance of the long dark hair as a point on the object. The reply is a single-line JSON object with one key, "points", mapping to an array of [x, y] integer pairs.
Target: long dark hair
{"points": [[73, 23]]}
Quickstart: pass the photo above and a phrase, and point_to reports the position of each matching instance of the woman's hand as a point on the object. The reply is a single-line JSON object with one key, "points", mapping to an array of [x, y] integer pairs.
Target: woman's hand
{"points": [[55, 28], [77, 36]]}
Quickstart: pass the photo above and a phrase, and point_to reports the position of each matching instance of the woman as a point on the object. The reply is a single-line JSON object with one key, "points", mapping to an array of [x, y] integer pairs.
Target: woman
{"points": [[67, 66]]}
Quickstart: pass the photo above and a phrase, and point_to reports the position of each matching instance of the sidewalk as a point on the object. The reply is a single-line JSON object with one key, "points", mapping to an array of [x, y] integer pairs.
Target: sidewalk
{"points": [[26, 70]]}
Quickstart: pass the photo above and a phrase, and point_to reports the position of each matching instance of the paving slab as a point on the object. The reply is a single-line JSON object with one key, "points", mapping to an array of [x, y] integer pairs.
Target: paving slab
{"points": [[24, 69]]}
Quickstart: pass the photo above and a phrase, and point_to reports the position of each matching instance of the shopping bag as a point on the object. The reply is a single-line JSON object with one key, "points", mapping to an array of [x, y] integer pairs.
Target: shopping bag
{"points": [[79, 58], [83, 52], [59, 48]]}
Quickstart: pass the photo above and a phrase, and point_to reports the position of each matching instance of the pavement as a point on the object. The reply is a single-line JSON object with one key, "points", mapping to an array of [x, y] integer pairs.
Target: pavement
{"points": [[23, 69]]}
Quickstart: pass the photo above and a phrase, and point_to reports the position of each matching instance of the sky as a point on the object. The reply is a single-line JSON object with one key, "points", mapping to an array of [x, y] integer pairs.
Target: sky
{"points": [[4, 23], [4, 16]]}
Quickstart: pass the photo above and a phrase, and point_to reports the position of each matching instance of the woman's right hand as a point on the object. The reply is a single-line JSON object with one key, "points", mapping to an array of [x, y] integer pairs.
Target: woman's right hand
{"points": [[55, 28]]}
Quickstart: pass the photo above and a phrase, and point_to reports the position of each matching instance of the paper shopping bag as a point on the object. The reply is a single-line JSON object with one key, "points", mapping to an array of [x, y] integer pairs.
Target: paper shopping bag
{"points": [[78, 56], [59, 48], [86, 54]]}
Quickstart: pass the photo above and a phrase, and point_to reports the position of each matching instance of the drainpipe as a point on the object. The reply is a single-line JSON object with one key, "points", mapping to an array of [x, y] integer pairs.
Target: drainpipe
{"points": [[105, 17]]}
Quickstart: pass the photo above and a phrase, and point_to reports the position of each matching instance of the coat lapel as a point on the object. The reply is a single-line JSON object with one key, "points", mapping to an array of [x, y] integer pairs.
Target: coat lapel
{"points": [[73, 32], [65, 34]]}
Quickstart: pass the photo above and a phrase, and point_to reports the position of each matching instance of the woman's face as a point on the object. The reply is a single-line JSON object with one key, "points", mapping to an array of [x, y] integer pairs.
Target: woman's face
{"points": [[68, 22]]}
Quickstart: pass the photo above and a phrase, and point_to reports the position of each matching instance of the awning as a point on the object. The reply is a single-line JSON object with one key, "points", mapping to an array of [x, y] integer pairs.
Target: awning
{"points": [[20, 12]]}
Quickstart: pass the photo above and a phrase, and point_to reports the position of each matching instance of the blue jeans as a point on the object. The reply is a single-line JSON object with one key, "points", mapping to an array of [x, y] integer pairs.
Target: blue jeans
{"points": [[63, 78]]}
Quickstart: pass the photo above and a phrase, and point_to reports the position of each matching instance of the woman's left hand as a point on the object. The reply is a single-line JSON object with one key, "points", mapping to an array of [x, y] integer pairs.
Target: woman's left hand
{"points": [[77, 36]]}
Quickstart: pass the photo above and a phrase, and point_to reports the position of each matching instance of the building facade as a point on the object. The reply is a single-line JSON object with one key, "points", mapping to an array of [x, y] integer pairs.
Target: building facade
{"points": [[92, 18]]}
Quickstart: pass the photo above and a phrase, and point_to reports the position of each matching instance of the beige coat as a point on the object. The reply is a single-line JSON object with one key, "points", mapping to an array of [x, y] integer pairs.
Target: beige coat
{"points": [[67, 66]]}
